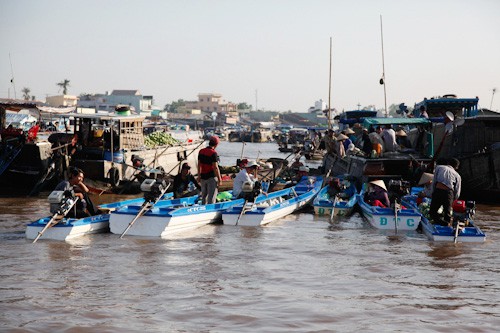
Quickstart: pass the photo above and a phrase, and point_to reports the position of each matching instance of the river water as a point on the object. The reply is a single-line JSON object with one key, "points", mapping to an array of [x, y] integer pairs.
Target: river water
{"points": [[298, 274]]}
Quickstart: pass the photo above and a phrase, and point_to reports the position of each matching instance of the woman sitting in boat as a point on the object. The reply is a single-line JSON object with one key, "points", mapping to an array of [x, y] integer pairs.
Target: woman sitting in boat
{"points": [[84, 206], [377, 194], [247, 174], [185, 185]]}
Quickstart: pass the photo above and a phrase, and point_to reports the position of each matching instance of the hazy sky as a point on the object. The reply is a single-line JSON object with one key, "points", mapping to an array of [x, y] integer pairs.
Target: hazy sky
{"points": [[177, 49]]}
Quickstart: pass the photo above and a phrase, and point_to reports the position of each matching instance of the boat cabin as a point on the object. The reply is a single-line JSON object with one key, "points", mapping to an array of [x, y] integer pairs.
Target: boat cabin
{"points": [[436, 107]]}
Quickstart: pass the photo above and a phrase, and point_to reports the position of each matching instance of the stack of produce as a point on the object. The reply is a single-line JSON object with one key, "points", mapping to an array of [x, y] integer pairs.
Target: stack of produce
{"points": [[159, 139]]}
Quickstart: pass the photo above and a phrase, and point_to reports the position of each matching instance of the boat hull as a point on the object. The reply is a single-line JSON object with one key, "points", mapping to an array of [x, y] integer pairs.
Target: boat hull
{"points": [[268, 208], [385, 219], [69, 228], [323, 205], [160, 226]]}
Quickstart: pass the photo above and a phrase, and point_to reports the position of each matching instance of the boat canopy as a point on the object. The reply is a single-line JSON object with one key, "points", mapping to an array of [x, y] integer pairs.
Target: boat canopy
{"points": [[395, 121], [438, 106]]}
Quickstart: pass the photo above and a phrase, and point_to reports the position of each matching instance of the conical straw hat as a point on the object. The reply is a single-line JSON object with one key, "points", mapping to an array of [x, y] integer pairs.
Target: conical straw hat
{"points": [[401, 133], [426, 177], [341, 137], [349, 131], [379, 183]]}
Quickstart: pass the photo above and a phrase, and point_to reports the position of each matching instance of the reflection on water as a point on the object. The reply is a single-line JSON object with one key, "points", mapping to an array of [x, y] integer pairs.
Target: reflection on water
{"points": [[301, 273]]}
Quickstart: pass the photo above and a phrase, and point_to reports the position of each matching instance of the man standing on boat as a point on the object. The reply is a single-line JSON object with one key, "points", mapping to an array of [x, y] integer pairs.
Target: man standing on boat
{"points": [[208, 171], [446, 188], [389, 137]]}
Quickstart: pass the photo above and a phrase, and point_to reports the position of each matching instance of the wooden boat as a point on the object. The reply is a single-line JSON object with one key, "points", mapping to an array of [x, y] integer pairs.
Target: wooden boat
{"points": [[468, 234], [323, 203], [275, 205], [69, 228], [408, 218], [168, 217]]}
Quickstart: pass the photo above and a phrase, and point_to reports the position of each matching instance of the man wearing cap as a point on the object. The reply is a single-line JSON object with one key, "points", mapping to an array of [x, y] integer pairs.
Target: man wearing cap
{"points": [[183, 181], [247, 174], [208, 171], [446, 188]]}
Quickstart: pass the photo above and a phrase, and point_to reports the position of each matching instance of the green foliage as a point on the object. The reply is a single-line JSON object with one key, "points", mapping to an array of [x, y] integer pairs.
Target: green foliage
{"points": [[244, 106], [26, 93], [172, 107], [64, 85], [159, 139]]}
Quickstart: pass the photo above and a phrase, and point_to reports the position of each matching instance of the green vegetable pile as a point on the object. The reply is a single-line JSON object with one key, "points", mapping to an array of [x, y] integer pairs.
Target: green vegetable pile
{"points": [[159, 139]]}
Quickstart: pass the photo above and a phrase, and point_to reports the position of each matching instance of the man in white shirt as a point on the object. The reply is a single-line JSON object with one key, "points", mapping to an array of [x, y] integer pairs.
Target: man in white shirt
{"points": [[248, 174], [447, 185], [389, 137]]}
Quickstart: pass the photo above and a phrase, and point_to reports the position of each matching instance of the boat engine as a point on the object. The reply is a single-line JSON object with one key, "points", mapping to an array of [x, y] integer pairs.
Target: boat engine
{"points": [[153, 189], [463, 211], [397, 189], [251, 190], [61, 201]]}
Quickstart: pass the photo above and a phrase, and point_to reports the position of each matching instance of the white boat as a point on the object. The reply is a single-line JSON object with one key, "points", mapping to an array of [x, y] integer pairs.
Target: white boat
{"points": [[166, 218], [470, 233], [275, 205], [69, 228], [408, 219]]}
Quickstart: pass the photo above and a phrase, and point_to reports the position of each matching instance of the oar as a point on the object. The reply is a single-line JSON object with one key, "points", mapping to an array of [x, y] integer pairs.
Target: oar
{"points": [[145, 207], [333, 207], [53, 222], [242, 212], [396, 215]]}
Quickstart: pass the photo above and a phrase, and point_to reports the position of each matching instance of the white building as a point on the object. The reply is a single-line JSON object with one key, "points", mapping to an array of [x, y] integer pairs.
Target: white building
{"points": [[318, 106]]}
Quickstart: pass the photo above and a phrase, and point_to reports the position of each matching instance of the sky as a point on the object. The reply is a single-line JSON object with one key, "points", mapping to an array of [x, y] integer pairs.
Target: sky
{"points": [[273, 54]]}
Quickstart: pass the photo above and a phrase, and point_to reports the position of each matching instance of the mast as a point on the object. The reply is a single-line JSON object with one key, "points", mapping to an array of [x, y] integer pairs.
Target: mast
{"points": [[12, 80], [382, 80], [330, 90]]}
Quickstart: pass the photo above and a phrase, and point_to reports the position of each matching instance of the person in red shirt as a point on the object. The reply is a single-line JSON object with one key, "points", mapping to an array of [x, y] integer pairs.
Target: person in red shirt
{"points": [[208, 171]]}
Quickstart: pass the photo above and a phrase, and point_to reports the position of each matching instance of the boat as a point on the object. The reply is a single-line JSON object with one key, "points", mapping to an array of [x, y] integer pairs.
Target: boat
{"points": [[67, 228], [272, 206], [408, 218], [324, 204], [127, 143], [26, 164], [470, 233], [474, 140], [167, 218]]}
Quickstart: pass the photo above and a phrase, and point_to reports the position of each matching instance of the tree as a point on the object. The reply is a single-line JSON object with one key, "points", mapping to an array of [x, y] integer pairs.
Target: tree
{"points": [[244, 106], [26, 93], [64, 85], [172, 107]]}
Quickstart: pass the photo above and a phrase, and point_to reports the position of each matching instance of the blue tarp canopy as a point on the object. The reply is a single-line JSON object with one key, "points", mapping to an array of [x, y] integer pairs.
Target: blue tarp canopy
{"points": [[394, 121]]}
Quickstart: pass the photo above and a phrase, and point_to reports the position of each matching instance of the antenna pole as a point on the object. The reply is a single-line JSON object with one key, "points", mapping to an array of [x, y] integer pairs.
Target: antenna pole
{"points": [[383, 67], [492, 95], [12, 80], [330, 90]]}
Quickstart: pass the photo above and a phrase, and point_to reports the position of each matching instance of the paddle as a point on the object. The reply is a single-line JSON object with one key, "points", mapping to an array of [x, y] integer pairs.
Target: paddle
{"points": [[335, 200], [66, 206], [242, 212], [457, 227], [147, 205], [396, 215]]}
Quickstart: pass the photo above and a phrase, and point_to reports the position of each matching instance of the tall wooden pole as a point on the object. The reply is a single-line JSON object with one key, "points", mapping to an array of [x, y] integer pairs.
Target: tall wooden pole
{"points": [[383, 67], [330, 126]]}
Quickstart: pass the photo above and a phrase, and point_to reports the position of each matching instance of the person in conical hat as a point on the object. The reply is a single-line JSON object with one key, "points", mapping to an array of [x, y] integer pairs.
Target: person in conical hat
{"points": [[377, 194], [349, 131], [425, 179], [426, 182]]}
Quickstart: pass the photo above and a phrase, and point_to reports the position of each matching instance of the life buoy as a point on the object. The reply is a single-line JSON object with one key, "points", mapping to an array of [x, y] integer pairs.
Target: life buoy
{"points": [[114, 176]]}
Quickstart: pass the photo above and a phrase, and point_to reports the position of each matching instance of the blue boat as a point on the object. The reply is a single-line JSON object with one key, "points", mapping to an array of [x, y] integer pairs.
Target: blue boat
{"points": [[408, 218], [468, 233], [270, 207], [66, 228], [344, 205], [168, 217]]}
